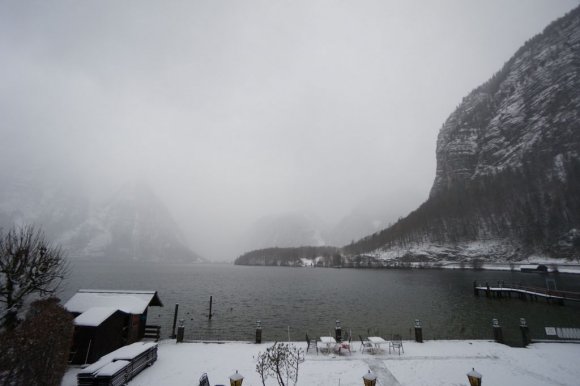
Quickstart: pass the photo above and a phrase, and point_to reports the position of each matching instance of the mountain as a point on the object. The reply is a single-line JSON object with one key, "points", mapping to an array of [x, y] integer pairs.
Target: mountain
{"points": [[285, 230], [29, 196], [132, 225], [507, 183]]}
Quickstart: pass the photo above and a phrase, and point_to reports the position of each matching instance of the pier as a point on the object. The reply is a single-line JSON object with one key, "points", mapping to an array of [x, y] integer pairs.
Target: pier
{"points": [[525, 292]]}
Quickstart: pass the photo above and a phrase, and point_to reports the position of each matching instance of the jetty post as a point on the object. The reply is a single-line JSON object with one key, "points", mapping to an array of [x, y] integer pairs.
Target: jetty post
{"points": [[418, 331], [338, 331], [497, 332]]}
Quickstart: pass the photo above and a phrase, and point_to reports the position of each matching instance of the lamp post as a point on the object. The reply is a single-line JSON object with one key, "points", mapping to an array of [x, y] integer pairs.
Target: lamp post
{"points": [[497, 332], [236, 379], [474, 378], [338, 332], [418, 331], [258, 331], [525, 332], [370, 379], [180, 331]]}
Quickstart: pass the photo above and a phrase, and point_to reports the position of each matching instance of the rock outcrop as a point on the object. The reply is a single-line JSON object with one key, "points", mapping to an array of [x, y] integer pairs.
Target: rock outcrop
{"points": [[508, 165]]}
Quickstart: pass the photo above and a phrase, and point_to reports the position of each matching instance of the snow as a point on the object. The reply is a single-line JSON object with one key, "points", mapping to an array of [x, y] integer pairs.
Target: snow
{"points": [[131, 302], [94, 316], [112, 368], [429, 363], [124, 353]]}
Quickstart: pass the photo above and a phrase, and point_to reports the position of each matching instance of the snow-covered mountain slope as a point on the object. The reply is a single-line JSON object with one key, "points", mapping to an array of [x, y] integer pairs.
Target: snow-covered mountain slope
{"points": [[133, 225], [528, 112], [508, 164]]}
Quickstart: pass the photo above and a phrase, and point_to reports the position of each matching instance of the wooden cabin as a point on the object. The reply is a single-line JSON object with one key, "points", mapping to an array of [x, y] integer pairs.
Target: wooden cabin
{"points": [[106, 320]]}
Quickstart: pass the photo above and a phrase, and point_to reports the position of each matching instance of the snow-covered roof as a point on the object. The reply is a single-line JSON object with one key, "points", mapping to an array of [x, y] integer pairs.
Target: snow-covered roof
{"points": [[131, 302], [94, 316]]}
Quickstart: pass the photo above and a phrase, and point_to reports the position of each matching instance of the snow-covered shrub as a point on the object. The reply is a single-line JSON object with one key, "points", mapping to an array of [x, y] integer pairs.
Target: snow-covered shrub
{"points": [[36, 352]]}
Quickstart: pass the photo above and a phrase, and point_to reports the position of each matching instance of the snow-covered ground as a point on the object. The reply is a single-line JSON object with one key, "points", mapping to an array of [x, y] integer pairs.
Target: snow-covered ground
{"points": [[429, 363]]}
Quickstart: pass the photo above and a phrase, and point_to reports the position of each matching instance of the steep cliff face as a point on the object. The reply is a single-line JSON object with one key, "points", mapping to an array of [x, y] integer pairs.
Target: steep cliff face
{"points": [[528, 112], [508, 164]]}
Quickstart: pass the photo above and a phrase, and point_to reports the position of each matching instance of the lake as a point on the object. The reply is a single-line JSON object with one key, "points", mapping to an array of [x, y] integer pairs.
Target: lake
{"points": [[293, 301]]}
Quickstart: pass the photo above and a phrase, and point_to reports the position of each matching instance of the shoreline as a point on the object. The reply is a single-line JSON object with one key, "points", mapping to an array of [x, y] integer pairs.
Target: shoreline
{"points": [[552, 267]]}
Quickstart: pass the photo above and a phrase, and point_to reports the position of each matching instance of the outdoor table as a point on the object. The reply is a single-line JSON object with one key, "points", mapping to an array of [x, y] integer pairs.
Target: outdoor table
{"points": [[377, 341], [329, 341]]}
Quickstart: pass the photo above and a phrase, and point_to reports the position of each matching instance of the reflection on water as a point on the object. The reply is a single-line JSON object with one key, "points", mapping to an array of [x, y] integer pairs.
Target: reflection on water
{"points": [[293, 301]]}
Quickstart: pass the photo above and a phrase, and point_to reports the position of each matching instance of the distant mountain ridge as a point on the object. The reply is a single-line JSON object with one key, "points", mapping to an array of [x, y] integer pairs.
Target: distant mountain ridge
{"points": [[132, 225]]}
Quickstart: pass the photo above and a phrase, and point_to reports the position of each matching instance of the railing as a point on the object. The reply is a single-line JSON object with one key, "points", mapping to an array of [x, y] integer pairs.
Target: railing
{"points": [[152, 332], [546, 292]]}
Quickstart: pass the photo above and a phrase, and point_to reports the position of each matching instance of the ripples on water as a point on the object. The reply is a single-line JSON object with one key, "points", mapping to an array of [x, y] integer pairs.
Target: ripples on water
{"points": [[293, 301]]}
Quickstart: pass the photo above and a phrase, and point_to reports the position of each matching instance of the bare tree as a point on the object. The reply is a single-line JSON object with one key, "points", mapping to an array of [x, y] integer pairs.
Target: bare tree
{"points": [[28, 265], [280, 361]]}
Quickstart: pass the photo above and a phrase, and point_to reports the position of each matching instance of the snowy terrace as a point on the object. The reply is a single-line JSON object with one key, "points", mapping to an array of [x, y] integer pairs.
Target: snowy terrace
{"points": [[430, 363]]}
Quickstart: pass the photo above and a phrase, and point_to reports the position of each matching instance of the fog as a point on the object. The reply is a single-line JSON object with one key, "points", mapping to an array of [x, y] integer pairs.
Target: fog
{"points": [[236, 110]]}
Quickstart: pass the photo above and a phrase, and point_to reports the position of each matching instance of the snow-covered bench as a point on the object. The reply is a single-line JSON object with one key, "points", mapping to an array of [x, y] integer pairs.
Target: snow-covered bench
{"points": [[119, 366]]}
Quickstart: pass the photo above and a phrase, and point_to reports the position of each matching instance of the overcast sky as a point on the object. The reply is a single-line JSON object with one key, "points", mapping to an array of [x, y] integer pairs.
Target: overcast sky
{"points": [[234, 110]]}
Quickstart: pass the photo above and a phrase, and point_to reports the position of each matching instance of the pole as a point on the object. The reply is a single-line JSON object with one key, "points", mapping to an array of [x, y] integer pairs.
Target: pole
{"points": [[210, 304], [174, 321], [88, 350]]}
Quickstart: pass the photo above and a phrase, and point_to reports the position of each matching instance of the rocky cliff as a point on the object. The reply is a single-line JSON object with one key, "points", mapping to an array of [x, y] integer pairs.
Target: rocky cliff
{"points": [[508, 165], [528, 112]]}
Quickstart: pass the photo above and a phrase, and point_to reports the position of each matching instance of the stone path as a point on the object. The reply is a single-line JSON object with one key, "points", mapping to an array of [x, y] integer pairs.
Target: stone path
{"points": [[384, 376]]}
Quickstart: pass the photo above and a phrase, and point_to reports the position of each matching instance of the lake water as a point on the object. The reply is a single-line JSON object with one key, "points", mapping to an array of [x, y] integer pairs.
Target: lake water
{"points": [[293, 301]]}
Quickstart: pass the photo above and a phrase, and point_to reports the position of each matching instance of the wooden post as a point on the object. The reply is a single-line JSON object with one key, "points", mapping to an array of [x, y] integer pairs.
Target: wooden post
{"points": [[174, 321], [210, 304], [488, 291]]}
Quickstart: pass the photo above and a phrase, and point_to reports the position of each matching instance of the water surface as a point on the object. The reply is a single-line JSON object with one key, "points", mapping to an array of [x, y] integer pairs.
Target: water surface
{"points": [[293, 301]]}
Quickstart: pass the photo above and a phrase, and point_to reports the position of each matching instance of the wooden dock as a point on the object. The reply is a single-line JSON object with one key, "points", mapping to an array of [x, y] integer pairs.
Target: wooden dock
{"points": [[524, 292]]}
